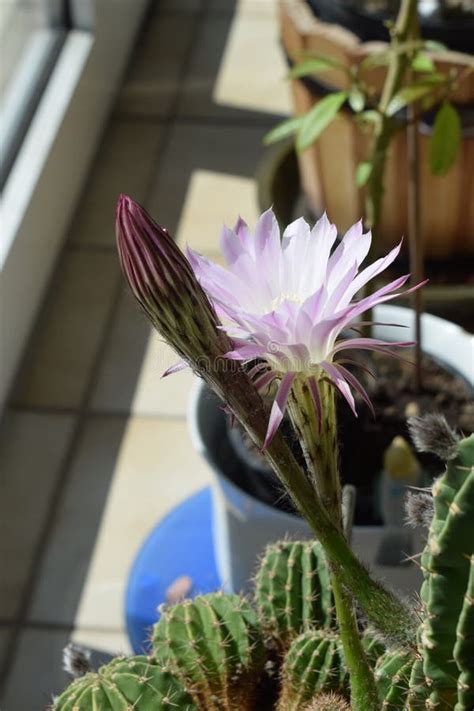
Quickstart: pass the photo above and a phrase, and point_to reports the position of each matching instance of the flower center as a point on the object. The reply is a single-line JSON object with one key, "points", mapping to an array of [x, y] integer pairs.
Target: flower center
{"points": [[278, 300]]}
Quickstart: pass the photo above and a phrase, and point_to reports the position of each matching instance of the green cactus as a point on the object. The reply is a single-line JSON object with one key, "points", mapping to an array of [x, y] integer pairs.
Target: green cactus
{"points": [[313, 663], [293, 590], [446, 568], [215, 646], [392, 673], [464, 647], [138, 683], [328, 702]]}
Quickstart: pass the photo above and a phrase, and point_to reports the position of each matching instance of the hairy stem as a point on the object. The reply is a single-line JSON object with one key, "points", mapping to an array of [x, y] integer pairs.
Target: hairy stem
{"points": [[390, 615], [317, 436]]}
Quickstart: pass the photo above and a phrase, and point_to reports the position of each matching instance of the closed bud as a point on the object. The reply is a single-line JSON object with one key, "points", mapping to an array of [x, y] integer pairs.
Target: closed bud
{"points": [[163, 282]]}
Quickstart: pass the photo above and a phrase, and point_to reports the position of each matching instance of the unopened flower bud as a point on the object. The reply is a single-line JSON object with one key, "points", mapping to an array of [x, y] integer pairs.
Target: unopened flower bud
{"points": [[76, 660], [163, 282]]}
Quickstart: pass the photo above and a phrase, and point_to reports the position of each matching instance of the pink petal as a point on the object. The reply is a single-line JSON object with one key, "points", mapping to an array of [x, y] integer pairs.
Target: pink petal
{"points": [[370, 344], [374, 269], [278, 407], [340, 383], [264, 380], [181, 365], [358, 387], [231, 245], [245, 353]]}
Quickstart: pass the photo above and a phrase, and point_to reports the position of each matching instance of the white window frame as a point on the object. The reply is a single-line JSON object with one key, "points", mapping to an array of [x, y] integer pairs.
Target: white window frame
{"points": [[46, 179]]}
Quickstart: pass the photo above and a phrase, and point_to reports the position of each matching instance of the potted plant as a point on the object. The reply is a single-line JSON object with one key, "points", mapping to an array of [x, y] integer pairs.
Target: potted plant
{"points": [[378, 105], [301, 645]]}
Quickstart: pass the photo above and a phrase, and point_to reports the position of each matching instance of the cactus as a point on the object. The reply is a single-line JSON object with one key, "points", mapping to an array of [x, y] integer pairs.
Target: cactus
{"points": [[138, 683], [446, 568], [313, 663], [328, 702], [464, 647], [215, 646], [293, 590]]}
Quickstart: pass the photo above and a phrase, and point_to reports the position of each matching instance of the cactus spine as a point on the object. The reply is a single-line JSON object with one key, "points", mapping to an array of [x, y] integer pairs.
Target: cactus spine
{"points": [[214, 645], [293, 590], [138, 683]]}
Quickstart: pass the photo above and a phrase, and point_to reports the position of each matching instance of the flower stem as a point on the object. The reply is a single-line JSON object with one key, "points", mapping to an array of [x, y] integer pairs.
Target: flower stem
{"points": [[392, 617], [319, 444]]}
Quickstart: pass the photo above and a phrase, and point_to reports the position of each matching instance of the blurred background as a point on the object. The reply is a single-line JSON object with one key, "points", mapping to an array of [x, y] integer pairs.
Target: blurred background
{"points": [[167, 101]]}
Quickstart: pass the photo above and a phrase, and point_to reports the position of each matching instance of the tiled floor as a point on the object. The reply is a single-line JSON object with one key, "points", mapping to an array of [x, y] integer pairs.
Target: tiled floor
{"points": [[94, 447]]}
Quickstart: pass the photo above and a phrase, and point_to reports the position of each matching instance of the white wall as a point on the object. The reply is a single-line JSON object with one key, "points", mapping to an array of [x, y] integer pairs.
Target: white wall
{"points": [[45, 183]]}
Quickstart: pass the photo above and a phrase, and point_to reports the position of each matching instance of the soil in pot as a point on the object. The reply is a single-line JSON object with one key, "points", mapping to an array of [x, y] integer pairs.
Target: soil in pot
{"points": [[442, 21], [363, 440]]}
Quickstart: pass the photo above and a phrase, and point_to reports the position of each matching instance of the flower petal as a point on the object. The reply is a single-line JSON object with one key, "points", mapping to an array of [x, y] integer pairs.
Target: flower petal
{"points": [[340, 383], [278, 407], [358, 387], [181, 365]]}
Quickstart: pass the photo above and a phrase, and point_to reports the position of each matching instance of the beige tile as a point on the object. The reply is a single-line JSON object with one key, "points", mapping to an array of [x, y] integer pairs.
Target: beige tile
{"points": [[5, 637], [248, 80], [32, 448], [124, 164], [202, 216], [152, 82], [59, 362], [156, 469], [74, 529], [226, 158], [36, 675], [130, 375], [114, 643], [238, 68]]}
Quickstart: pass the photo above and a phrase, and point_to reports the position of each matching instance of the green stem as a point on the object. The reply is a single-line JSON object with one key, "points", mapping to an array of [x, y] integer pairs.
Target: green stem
{"points": [[393, 618], [319, 443], [387, 126]]}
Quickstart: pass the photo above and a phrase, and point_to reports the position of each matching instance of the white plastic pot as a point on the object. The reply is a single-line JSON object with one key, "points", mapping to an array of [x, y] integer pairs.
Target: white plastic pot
{"points": [[243, 525]]}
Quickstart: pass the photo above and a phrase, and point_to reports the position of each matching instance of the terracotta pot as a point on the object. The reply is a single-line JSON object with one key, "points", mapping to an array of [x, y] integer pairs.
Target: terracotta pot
{"points": [[328, 167]]}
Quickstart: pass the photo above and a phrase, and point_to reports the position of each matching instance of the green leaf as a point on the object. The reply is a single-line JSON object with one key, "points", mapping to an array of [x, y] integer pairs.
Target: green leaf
{"points": [[363, 173], [285, 129], [319, 118], [422, 63], [446, 139], [356, 100], [370, 116], [408, 95], [313, 66], [381, 58]]}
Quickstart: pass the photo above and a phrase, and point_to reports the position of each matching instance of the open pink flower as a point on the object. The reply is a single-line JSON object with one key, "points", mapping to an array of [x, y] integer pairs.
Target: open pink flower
{"points": [[286, 302]]}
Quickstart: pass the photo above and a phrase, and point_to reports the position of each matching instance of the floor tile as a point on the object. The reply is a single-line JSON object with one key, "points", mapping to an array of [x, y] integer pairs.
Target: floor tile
{"points": [[249, 81], [114, 643], [5, 636], [223, 79], [156, 468], [36, 675], [58, 365], [64, 566], [202, 216], [124, 164], [32, 448], [152, 82], [223, 150], [130, 375]]}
